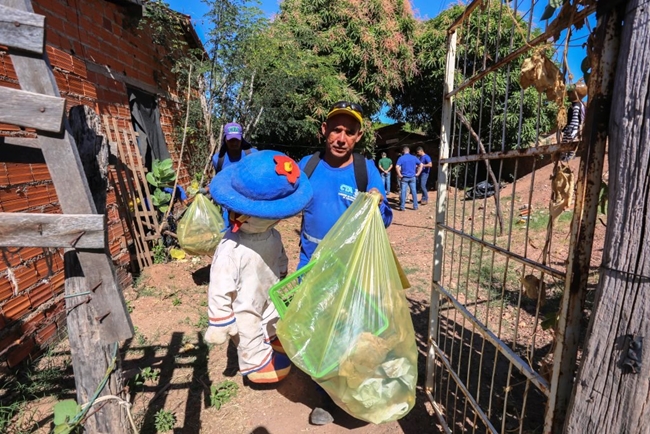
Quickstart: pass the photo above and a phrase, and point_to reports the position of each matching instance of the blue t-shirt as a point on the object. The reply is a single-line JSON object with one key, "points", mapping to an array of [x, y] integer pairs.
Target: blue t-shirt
{"points": [[334, 191], [408, 164], [425, 159], [226, 161]]}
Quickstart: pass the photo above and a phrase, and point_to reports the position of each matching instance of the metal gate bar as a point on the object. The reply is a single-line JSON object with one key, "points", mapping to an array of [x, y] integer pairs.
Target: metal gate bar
{"points": [[533, 376], [541, 267], [515, 153], [476, 380], [462, 387]]}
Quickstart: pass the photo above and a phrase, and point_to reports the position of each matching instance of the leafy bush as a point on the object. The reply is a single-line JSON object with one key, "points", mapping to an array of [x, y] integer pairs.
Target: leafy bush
{"points": [[159, 253], [162, 175], [222, 393], [164, 420]]}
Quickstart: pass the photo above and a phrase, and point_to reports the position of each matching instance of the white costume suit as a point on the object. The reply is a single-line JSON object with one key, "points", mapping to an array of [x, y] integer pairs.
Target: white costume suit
{"points": [[244, 267]]}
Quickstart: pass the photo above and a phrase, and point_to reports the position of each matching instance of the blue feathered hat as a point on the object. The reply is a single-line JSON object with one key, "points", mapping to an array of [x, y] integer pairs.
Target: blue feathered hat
{"points": [[265, 184]]}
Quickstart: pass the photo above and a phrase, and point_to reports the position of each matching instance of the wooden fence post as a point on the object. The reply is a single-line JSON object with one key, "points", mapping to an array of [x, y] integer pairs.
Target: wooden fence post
{"points": [[611, 391]]}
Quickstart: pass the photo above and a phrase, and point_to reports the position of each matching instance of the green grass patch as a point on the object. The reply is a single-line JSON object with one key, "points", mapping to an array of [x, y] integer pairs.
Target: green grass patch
{"points": [[222, 393]]}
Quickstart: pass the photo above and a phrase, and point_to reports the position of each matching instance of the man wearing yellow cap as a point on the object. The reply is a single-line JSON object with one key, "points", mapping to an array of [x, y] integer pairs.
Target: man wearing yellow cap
{"points": [[336, 175]]}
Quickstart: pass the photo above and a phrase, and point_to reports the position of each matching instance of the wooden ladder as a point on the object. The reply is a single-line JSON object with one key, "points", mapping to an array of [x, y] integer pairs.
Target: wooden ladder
{"points": [[98, 319]]}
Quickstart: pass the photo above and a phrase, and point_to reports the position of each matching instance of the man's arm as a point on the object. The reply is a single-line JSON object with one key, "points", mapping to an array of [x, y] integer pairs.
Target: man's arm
{"points": [[389, 168], [398, 170], [418, 169]]}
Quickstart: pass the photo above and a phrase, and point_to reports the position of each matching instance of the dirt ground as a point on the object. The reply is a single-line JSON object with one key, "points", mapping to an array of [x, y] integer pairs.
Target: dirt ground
{"points": [[169, 310]]}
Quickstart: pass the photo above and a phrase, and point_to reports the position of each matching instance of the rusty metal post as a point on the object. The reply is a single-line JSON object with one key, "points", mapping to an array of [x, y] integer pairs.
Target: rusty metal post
{"points": [[605, 46]]}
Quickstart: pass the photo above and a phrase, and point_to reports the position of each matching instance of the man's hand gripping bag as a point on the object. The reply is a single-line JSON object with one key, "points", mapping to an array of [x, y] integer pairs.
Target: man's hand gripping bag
{"points": [[349, 325], [201, 228]]}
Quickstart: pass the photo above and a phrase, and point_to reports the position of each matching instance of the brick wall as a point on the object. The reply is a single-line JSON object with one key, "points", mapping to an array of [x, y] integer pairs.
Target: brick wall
{"points": [[81, 35]]}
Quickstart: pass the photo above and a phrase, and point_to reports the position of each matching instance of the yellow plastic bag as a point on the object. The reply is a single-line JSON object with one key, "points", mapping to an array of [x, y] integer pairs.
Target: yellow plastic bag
{"points": [[349, 325], [201, 228]]}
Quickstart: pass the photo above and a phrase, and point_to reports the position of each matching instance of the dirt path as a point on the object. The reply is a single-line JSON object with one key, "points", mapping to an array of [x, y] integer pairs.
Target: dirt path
{"points": [[169, 310], [169, 367]]}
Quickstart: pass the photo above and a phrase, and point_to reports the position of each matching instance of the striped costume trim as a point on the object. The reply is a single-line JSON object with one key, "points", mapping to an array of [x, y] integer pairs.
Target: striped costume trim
{"points": [[275, 371], [273, 376], [222, 322], [262, 365]]}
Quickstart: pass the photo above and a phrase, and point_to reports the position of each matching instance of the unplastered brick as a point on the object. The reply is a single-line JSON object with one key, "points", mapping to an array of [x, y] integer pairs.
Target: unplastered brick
{"points": [[16, 307], [40, 172], [6, 290], [21, 352], [16, 205], [40, 294], [46, 333]]}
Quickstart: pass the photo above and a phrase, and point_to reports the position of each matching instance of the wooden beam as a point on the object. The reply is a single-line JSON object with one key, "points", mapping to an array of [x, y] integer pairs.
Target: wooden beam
{"points": [[33, 110], [86, 231], [28, 142], [96, 326], [22, 30], [64, 164], [107, 71]]}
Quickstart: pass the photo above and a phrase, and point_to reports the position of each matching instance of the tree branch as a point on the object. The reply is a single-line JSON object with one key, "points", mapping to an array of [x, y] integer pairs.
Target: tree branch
{"points": [[497, 187]]}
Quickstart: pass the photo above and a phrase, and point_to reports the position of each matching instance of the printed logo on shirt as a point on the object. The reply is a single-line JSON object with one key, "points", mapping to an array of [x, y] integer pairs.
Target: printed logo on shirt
{"points": [[348, 193]]}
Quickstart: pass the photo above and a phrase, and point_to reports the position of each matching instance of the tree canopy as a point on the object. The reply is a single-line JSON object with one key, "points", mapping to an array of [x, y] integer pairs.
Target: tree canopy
{"points": [[279, 77], [318, 52], [484, 104]]}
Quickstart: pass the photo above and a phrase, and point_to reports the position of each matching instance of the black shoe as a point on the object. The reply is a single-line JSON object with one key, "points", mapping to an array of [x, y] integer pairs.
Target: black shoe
{"points": [[319, 416]]}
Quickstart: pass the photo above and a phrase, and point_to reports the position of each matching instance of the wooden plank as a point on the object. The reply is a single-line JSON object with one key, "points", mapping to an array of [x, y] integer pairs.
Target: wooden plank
{"points": [[32, 110], [22, 30], [151, 214], [125, 194], [52, 230], [98, 322], [138, 179], [27, 142], [610, 393]]}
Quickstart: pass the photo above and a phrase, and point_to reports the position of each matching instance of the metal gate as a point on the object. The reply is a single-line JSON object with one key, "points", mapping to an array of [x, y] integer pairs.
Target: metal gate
{"points": [[509, 246]]}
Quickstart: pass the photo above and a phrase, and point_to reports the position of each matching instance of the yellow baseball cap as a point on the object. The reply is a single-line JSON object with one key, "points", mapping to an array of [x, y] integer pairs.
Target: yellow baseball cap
{"points": [[347, 108]]}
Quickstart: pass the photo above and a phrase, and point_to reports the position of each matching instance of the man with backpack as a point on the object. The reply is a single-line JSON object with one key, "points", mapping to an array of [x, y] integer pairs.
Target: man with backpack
{"points": [[337, 175], [233, 147]]}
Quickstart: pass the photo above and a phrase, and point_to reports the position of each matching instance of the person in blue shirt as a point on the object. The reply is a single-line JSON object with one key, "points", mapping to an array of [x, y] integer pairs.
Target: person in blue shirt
{"points": [[233, 148], [427, 164], [408, 168], [333, 180], [334, 186]]}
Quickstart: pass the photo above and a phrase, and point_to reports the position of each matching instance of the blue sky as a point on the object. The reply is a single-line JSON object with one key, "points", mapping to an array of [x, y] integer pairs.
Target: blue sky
{"points": [[196, 8]]}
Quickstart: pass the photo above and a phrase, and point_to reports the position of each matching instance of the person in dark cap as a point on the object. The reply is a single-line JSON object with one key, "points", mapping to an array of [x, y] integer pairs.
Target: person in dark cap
{"points": [[336, 175], [233, 147]]}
